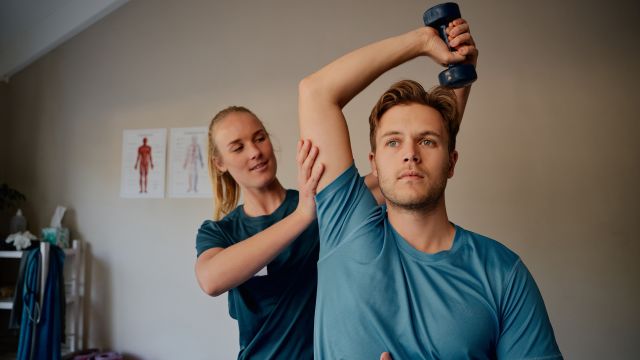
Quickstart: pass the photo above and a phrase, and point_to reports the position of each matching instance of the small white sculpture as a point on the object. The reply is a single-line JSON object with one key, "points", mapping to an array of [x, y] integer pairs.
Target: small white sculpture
{"points": [[21, 240]]}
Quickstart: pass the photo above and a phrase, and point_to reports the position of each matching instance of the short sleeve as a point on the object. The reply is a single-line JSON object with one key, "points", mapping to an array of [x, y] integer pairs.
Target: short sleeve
{"points": [[210, 236], [526, 331], [342, 206]]}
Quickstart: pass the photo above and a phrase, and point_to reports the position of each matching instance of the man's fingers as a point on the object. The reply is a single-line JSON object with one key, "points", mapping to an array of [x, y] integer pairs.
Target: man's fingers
{"points": [[457, 22], [457, 30], [467, 51], [463, 39], [453, 58]]}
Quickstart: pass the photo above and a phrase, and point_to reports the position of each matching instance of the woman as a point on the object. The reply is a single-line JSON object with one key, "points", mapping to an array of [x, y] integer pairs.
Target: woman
{"points": [[263, 252]]}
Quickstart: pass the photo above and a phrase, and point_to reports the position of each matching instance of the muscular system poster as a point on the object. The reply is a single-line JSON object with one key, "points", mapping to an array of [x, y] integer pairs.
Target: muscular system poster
{"points": [[143, 163]]}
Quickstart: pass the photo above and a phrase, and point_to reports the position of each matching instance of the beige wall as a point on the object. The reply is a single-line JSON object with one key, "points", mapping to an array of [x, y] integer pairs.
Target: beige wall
{"points": [[4, 128], [4, 151], [548, 165]]}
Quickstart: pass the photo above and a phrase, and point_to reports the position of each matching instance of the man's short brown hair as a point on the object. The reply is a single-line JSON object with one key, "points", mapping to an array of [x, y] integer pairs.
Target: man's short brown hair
{"points": [[441, 99]]}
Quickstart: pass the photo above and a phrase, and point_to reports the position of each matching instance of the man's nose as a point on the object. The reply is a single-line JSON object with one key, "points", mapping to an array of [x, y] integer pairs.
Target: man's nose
{"points": [[411, 155], [412, 158]]}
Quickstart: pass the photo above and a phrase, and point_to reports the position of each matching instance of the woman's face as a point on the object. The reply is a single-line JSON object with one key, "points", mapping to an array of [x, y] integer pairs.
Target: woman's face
{"points": [[244, 150]]}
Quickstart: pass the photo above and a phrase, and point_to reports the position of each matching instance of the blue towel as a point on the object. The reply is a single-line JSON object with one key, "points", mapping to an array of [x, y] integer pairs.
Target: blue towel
{"points": [[41, 327]]}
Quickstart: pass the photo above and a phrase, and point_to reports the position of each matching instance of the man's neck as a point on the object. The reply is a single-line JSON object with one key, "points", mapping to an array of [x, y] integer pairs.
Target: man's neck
{"points": [[427, 230], [263, 201]]}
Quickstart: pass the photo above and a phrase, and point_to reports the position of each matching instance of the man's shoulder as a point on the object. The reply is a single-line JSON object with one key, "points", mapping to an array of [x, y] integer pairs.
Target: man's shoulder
{"points": [[347, 177], [489, 248]]}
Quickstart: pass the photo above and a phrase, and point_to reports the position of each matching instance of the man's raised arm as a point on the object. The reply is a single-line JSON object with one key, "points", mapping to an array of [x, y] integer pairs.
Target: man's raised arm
{"points": [[462, 42], [323, 94]]}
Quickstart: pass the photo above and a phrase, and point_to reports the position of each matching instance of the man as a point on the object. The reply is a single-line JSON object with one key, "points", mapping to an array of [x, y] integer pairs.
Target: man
{"points": [[402, 278]]}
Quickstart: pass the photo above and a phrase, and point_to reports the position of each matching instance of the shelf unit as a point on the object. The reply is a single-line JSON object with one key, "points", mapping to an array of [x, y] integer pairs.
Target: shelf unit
{"points": [[74, 290]]}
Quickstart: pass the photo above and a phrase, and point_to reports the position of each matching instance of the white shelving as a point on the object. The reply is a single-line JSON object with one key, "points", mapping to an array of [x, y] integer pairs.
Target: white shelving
{"points": [[74, 290], [6, 304], [11, 254]]}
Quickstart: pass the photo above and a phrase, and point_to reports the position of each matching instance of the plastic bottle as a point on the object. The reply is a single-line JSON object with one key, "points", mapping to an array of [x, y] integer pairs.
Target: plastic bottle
{"points": [[18, 223]]}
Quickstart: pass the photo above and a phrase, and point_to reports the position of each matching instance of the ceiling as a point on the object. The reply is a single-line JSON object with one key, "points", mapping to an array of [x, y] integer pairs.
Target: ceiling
{"points": [[31, 28]]}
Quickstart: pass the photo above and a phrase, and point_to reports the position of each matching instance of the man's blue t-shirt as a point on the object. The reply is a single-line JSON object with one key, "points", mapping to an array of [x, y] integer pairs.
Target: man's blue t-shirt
{"points": [[377, 293], [274, 311]]}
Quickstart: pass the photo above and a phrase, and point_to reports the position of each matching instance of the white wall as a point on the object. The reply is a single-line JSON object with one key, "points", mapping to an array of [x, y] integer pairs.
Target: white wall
{"points": [[549, 157], [29, 29]]}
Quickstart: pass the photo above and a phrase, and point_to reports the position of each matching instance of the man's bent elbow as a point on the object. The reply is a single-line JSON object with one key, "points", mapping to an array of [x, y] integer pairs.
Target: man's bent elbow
{"points": [[307, 88]]}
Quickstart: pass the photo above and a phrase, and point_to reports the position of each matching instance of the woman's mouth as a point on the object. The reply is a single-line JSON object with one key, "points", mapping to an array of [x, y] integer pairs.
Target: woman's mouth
{"points": [[258, 166]]}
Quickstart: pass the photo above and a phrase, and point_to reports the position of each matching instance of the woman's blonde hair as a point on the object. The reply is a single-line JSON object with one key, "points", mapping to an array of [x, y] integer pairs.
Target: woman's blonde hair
{"points": [[225, 188]]}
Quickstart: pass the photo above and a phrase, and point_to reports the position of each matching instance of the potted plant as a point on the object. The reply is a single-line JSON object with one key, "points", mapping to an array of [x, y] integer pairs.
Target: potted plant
{"points": [[10, 198]]}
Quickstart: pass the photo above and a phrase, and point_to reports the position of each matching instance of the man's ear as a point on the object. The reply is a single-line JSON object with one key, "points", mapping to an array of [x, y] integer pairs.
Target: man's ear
{"points": [[372, 161], [453, 159]]}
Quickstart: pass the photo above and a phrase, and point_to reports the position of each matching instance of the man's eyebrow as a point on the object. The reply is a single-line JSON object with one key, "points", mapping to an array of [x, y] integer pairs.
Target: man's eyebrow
{"points": [[429, 132], [390, 133], [422, 134]]}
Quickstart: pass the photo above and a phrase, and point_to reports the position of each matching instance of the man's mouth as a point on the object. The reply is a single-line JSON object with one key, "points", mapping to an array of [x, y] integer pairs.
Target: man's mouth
{"points": [[411, 174]]}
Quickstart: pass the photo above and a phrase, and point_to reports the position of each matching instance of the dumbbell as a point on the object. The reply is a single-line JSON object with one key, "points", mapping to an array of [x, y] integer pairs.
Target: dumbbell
{"points": [[438, 17]]}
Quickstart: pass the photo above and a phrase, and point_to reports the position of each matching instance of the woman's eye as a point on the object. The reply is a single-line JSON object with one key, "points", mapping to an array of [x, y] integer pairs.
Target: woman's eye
{"points": [[236, 149], [260, 139]]}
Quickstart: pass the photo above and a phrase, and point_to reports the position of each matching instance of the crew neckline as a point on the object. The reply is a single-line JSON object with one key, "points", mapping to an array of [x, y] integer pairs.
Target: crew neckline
{"points": [[407, 248], [267, 217]]}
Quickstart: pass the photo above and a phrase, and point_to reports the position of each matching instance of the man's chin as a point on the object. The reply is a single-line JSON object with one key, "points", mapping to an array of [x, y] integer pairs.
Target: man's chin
{"points": [[412, 200]]}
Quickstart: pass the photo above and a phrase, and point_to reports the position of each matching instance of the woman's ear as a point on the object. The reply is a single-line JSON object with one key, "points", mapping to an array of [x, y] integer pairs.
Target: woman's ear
{"points": [[219, 164]]}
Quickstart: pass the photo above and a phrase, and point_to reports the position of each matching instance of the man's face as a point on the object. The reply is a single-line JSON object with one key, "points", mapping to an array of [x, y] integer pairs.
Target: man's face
{"points": [[412, 160]]}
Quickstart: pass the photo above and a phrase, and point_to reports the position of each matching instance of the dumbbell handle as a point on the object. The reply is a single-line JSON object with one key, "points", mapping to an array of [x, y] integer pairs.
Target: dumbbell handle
{"points": [[442, 31]]}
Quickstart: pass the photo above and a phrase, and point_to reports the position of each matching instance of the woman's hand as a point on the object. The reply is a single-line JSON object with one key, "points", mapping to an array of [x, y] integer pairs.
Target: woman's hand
{"points": [[309, 173]]}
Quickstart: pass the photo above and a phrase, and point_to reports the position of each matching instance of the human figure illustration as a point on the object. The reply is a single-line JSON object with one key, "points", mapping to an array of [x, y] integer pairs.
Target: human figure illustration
{"points": [[144, 160], [192, 162]]}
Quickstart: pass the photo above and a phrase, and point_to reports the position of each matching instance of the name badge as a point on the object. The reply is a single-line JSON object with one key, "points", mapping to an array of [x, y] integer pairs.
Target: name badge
{"points": [[262, 272]]}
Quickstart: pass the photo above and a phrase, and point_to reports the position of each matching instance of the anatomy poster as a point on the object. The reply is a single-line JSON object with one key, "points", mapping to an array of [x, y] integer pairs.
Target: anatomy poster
{"points": [[143, 163], [188, 171]]}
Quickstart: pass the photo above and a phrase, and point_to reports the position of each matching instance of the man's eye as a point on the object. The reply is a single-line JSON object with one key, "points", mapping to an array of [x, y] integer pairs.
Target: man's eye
{"points": [[427, 142], [392, 143]]}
